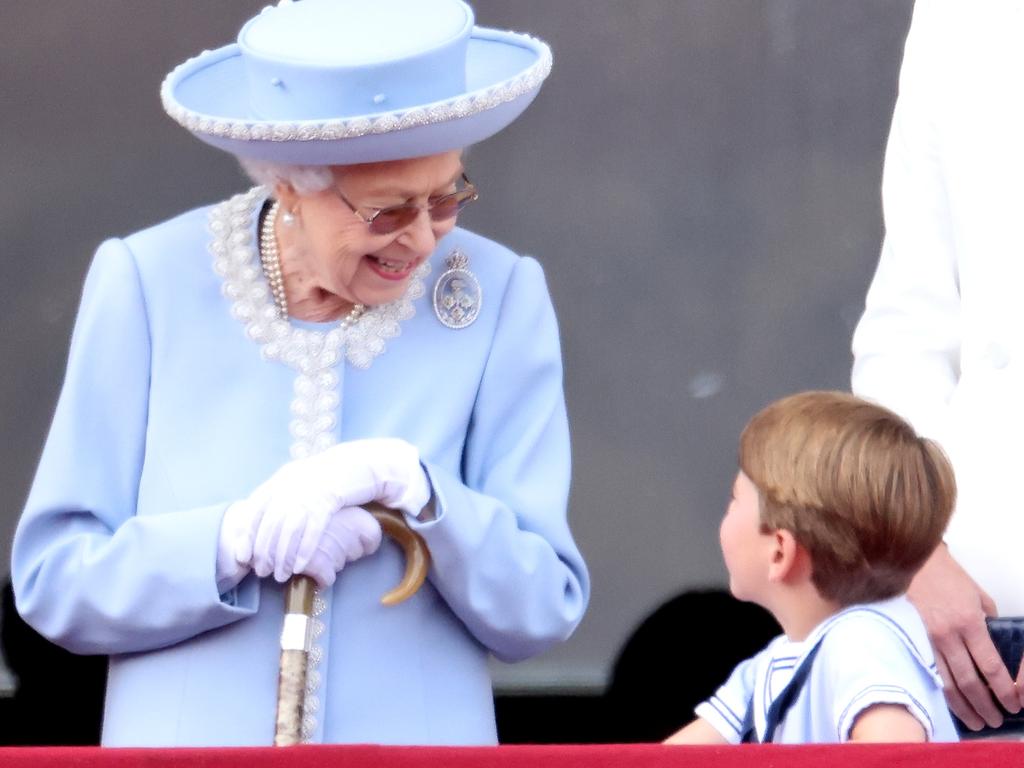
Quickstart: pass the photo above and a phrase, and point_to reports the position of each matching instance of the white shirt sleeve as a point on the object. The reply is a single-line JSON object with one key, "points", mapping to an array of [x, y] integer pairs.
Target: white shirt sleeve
{"points": [[726, 711], [869, 664]]}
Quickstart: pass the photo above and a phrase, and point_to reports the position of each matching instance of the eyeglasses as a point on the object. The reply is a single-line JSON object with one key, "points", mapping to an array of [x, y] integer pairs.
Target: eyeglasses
{"points": [[385, 221]]}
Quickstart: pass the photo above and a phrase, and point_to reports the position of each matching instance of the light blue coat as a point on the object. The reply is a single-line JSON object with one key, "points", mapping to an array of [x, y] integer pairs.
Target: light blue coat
{"points": [[169, 412]]}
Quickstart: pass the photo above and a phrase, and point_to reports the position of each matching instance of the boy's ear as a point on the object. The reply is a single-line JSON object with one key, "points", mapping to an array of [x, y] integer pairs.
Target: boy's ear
{"points": [[788, 558]]}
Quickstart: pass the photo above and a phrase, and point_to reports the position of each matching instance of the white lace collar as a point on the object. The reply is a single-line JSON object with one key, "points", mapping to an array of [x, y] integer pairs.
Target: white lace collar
{"points": [[233, 224]]}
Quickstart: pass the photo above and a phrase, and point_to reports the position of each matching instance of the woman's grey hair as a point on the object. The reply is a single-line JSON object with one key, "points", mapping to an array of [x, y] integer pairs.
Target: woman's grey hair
{"points": [[304, 179]]}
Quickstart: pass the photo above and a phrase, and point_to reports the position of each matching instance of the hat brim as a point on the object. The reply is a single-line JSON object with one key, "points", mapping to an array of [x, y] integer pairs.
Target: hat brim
{"points": [[208, 95]]}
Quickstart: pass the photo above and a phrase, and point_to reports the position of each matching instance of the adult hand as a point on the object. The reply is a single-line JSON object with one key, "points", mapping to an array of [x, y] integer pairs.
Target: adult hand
{"points": [[350, 534], [280, 527], [385, 469], [954, 608], [1020, 681], [236, 537]]}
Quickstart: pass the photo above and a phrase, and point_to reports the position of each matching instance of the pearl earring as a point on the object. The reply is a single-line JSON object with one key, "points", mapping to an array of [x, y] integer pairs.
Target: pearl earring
{"points": [[289, 219]]}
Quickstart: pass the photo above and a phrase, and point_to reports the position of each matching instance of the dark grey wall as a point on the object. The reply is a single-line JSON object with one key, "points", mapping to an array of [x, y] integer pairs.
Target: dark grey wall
{"points": [[700, 178]]}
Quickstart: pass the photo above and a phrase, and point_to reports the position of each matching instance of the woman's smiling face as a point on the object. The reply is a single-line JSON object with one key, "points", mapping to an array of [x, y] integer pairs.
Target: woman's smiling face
{"points": [[330, 254]]}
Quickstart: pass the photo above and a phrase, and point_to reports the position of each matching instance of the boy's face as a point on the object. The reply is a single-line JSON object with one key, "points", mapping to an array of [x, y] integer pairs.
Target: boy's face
{"points": [[747, 551]]}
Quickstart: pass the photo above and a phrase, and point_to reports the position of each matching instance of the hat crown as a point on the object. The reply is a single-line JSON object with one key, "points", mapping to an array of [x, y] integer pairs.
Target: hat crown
{"points": [[313, 59]]}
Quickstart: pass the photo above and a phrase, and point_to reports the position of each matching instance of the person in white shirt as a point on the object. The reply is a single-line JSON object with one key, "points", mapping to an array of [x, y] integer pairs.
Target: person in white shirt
{"points": [[940, 340]]}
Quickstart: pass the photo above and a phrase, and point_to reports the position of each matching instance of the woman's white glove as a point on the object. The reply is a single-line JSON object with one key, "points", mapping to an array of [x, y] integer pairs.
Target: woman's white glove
{"points": [[350, 534], [237, 533], [280, 529]]}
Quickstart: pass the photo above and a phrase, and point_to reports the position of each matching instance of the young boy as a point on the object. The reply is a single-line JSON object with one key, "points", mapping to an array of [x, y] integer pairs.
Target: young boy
{"points": [[837, 503]]}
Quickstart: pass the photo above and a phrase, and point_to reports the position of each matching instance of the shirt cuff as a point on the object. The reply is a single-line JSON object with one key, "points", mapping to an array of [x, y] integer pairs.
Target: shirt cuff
{"points": [[721, 718]]}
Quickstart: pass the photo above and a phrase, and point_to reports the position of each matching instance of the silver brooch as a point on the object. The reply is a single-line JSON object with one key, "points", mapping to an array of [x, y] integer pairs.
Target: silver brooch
{"points": [[457, 294]]}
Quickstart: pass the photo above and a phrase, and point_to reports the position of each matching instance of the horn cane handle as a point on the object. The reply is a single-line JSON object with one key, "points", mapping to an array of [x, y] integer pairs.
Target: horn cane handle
{"points": [[417, 556]]}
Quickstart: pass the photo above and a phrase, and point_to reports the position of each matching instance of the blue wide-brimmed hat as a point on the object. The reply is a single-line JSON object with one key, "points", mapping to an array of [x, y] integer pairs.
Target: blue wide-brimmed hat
{"points": [[336, 82]]}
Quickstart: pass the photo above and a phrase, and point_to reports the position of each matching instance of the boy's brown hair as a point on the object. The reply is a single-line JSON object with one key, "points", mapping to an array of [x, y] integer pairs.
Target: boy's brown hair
{"points": [[859, 489]]}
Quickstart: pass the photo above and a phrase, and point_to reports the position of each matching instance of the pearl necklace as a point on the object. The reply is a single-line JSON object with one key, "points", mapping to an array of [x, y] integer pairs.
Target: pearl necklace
{"points": [[270, 259]]}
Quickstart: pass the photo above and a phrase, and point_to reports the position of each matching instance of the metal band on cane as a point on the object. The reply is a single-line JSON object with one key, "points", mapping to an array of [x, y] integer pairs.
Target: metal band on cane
{"points": [[296, 634]]}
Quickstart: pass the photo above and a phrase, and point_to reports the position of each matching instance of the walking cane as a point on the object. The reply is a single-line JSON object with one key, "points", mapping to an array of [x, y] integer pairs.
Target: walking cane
{"points": [[296, 635]]}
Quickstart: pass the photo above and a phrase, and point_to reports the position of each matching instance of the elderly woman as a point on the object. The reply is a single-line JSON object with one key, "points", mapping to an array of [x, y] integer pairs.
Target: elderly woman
{"points": [[244, 378]]}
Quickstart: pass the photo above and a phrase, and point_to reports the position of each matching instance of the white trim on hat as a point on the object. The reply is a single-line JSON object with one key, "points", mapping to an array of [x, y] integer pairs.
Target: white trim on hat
{"points": [[462, 106]]}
